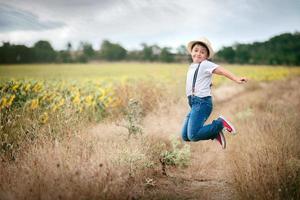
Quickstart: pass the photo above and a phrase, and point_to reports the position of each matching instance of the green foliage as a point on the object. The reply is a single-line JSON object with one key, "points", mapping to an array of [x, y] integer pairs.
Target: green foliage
{"points": [[133, 118], [150, 53], [227, 53], [43, 52], [87, 49], [283, 49], [82, 58], [166, 55], [15, 53], [179, 155], [181, 50], [112, 52], [64, 56], [155, 53]]}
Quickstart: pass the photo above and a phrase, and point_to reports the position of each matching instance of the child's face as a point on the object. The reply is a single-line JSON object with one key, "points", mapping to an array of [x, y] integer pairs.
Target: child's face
{"points": [[199, 53]]}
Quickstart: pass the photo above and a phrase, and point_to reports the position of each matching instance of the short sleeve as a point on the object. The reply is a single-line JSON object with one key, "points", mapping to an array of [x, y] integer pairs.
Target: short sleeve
{"points": [[210, 66]]}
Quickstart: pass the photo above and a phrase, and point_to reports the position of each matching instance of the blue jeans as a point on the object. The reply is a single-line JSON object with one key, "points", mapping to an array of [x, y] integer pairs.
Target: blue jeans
{"points": [[193, 128]]}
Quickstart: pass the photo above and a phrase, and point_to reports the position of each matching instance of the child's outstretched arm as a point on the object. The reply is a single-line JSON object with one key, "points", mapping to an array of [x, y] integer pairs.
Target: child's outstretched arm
{"points": [[224, 72]]}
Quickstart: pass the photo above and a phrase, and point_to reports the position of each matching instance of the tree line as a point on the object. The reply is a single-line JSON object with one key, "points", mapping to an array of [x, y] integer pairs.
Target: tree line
{"points": [[282, 49], [43, 52]]}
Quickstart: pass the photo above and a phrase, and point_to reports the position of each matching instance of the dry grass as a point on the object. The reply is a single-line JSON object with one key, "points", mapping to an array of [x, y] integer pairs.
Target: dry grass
{"points": [[94, 165], [264, 159], [101, 162], [151, 95]]}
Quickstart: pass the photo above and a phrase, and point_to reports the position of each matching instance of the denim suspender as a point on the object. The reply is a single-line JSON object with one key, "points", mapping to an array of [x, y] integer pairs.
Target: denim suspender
{"points": [[194, 80]]}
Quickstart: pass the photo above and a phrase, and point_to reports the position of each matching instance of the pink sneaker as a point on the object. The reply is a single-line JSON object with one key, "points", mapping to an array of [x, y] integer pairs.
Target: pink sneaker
{"points": [[227, 125], [221, 139]]}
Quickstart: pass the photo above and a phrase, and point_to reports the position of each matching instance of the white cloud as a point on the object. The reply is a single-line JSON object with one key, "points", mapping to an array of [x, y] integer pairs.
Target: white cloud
{"points": [[167, 23]]}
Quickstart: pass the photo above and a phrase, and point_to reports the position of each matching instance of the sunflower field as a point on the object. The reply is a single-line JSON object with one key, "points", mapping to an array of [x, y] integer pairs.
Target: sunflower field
{"points": [[55, 99]]}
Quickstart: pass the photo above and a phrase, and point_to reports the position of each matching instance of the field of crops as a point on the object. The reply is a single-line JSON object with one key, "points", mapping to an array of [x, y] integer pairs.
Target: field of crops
{"points": [[92, 87], [70, 128]]}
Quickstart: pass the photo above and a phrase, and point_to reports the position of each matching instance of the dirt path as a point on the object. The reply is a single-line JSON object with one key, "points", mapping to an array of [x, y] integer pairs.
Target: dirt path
{"points": [[83, 166], [207, 176]]}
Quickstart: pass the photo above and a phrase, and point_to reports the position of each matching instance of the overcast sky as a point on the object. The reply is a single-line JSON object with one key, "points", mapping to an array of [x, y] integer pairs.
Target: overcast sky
{"points": [[131, 22]]}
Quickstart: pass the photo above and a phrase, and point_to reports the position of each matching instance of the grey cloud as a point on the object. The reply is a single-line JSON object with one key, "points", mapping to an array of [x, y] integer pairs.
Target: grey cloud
{"points": [[161, 21], [13, 19]]}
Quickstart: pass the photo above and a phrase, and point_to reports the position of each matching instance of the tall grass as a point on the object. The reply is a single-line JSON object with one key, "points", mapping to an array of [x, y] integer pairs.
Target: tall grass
{"points": [[265, 161], [64, 159], [20, 128], [73, 156], [19, 123], [101, 164]]}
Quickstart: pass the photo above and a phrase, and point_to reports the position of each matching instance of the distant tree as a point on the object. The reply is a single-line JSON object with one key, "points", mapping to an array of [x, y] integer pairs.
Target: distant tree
{"points": [[242, 54], [227, 53], [81, 58], [150, 53], [287, 48], [181, 50], [15, 53], [64, 56], [134, 55], [112, 52], [69, 46], [182, 54], [147, 53], [6, 54], [282, 49], [87, 49], [43, 52], [166, 55], [23, 54]]}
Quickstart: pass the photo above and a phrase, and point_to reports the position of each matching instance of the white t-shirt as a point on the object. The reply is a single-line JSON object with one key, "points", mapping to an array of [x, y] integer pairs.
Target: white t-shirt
{"points": [[204, 78]]}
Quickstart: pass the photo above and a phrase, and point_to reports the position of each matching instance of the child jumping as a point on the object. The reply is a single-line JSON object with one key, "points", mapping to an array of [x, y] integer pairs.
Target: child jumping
{"points": [[198, 91]]}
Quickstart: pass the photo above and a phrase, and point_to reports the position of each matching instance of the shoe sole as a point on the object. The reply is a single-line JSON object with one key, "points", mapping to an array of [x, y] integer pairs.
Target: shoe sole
{"points": [[223, 141], [233, 132]]}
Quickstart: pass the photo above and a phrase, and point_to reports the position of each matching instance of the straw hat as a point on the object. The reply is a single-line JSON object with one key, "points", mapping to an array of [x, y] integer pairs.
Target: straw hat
{"points": [[204, 41]]}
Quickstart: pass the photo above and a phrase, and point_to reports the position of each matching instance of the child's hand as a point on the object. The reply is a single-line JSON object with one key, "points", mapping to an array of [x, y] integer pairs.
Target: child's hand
{"points": [[241, 80]]}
